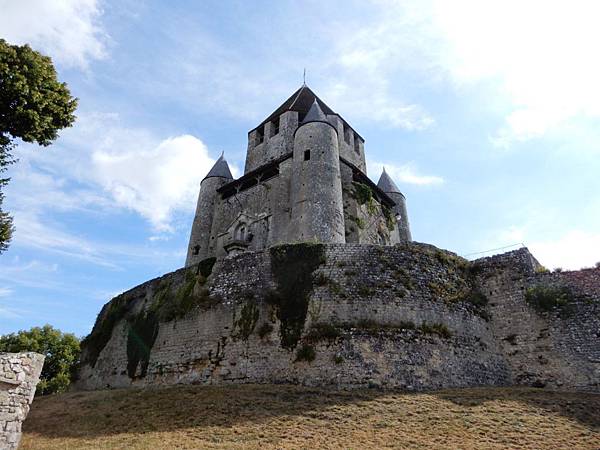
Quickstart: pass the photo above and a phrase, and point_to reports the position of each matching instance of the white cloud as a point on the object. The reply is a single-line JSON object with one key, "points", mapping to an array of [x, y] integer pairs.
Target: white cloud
{"points": [[540, 53], [573, 250], [5, 292], [154, 181], [406, 173], [67, 30]]}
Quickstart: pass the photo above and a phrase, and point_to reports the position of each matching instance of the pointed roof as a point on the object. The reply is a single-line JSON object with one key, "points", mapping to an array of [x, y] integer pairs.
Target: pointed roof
{"points": [[301, 101], [220, 169], [386, 184], [315, 114]]}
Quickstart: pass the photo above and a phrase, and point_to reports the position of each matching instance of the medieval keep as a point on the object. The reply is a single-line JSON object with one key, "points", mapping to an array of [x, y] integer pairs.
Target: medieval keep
{"points": [[305, 179]]}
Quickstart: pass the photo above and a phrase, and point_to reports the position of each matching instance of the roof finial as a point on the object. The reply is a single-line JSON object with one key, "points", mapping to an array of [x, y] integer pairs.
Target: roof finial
{"points": [[223, 154], [384, 169], [304, 78]]}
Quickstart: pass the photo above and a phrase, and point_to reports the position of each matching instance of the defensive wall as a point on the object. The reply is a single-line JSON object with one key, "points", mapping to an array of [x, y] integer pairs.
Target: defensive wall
{"points": [[407, 316]]}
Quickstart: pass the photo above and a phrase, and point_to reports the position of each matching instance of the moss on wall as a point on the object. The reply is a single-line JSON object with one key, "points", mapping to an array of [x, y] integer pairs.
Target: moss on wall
{"points": [[246, 323], [95, 342], [142, 333], [292, 266]]}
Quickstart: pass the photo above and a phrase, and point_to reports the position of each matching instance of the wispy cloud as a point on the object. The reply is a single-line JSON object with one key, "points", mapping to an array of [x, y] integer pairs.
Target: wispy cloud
{"points": [[68, 30]]}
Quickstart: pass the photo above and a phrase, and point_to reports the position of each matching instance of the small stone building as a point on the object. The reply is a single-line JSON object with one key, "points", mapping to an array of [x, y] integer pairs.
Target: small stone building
{"points": [[305, 179]]}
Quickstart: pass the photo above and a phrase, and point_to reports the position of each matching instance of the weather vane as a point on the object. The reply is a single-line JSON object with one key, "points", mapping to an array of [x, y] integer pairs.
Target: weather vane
{"points": [[304, 77]]}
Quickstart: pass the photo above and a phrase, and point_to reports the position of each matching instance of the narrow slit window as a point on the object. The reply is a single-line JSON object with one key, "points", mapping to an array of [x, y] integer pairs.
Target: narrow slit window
{"points": [[306, 155], [346, 133]]}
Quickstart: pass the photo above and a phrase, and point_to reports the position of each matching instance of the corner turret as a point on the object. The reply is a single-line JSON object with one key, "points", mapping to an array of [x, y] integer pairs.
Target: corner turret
{"points": [[205, 208], [387, 185], [317, 205]]}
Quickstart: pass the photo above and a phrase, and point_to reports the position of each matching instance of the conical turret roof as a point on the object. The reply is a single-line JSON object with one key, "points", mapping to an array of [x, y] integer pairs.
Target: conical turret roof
{"points": [[220, 169], [315, 114], [386, 184]]}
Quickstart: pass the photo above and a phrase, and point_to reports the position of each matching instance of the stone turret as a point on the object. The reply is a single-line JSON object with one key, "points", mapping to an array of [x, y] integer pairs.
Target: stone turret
{"points": [[199, 244], [317, 205], [387, 185]]}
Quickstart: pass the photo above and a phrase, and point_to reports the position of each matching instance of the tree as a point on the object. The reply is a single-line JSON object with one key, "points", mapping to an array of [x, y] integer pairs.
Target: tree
{"points": [[61, 351], [34, 106]]}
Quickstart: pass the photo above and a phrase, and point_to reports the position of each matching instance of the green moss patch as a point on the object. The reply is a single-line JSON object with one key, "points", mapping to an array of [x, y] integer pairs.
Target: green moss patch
{"points": [[142, 333], [246, 323], [292, 267], [306, 353], [549, 298], [110, 314]]}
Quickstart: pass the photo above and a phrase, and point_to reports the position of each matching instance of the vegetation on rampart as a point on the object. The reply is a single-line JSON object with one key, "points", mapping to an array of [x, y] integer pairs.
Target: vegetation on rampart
{"points": [[549, 298], [165, 306], [292, 266]]}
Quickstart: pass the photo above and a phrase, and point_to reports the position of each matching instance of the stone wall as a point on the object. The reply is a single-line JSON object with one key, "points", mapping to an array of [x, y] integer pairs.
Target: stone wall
{"points": [[406, 316], [19, 375], [558, 347]]}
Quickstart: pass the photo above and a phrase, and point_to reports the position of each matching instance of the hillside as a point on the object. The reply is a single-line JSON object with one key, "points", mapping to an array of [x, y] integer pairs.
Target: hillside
{"points": [[268, 416]]}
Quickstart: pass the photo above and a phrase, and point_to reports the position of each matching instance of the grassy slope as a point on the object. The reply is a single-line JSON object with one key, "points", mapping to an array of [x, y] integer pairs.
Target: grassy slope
{"points": [[263, 417]]}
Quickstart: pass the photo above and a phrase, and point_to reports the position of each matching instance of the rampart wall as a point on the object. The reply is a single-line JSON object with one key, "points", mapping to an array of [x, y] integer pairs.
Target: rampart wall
{"points": [[406, 316]]}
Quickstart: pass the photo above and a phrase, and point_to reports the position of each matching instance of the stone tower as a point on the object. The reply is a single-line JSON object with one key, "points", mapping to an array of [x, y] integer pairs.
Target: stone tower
{"points": [[305, 179], [387, 185], [316, 195], [198, 248]]}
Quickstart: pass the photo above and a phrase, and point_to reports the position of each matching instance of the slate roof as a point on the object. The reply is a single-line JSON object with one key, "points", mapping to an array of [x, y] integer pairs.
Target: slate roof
{"points": [[301, 101], [386, 184], [315, 114], [220, 169]]}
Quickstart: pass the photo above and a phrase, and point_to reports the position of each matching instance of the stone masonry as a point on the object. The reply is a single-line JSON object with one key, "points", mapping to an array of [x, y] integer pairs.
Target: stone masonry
{"points": [[19, 375], [305, 179], [407, 316]]}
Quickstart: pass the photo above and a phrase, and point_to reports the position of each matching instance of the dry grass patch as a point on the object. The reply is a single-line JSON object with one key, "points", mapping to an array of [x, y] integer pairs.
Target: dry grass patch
{"points": [[268, 417]]}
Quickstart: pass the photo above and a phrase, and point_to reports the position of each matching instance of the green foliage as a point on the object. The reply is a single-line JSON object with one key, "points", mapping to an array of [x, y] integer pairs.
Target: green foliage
{"points": [[436, 328], [141, 335], [323, 331], [265, 329], [306, 353], [247, 320], [338, 359], [108, 317], [541, 269], [404, 278], [61, 351], [390, 220], [292, 266], [320, 279], [548, 298], [34, 106], [360, 223], [362, 193], [166, 305]]}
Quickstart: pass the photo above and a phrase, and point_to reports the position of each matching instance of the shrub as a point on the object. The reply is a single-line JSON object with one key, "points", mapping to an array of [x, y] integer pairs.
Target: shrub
{"points": [[306, 353], [60, 349], [323, 331], [436, 328], [265, 329], [547, 298]]}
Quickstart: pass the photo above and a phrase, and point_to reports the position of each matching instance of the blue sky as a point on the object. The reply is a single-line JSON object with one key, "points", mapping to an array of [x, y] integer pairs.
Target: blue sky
{"points": [[486, 114]]}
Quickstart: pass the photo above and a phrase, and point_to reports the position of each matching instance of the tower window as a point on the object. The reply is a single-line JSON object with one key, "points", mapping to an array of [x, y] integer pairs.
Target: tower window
{"points": [[260, 134], [306, 155], [196, 249], [357, 144], [346, 133], [275, 127]]}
